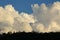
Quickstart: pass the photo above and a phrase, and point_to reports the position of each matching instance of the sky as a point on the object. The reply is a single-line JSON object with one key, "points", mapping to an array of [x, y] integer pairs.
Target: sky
{"points": [[29, 15], [25, 5]]}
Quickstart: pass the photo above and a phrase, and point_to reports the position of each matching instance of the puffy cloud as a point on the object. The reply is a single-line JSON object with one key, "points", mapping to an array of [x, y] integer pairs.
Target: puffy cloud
{"points": [[44, 19], [48, 17], [13, 21]]}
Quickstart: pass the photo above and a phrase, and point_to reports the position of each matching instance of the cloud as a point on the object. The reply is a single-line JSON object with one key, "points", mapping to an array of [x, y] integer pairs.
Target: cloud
{"points": [[48, 17], [13, 21], [43, 19]]}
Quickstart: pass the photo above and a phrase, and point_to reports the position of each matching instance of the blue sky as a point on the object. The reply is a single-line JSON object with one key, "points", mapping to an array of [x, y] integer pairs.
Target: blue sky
{"points": [[25, 5]]}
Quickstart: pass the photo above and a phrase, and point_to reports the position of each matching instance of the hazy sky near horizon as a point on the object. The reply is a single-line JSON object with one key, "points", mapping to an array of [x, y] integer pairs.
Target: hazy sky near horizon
{"points": [[25, 5]]}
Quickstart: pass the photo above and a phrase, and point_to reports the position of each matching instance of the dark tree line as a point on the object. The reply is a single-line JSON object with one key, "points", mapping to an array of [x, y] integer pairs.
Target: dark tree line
{"points": [[30, 36]]}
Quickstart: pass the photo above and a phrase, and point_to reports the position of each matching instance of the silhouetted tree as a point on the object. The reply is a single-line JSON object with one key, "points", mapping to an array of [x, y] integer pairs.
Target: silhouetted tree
{"points": [[30, 35]]}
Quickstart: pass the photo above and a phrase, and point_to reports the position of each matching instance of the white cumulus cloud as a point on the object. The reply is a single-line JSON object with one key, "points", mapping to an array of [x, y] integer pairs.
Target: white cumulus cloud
{"points": [[13, 21], [48, 17], [43, 19]]}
